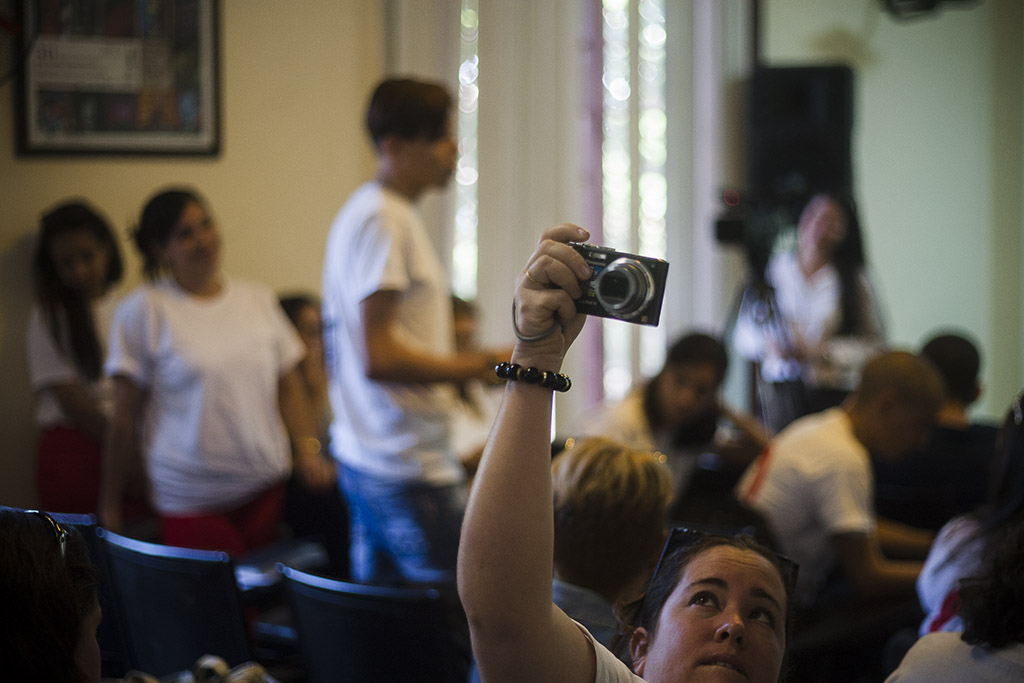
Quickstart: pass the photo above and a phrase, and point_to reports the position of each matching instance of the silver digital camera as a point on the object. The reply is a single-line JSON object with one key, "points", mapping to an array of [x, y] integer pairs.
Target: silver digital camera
{"points": [[624, 286]]}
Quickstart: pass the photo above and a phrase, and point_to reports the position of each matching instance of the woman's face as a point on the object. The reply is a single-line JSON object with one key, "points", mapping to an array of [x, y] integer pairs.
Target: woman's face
{"points": [[686, 391], [87, 649], [192, 252], [725, 621], [81, 262], [822, 226]]}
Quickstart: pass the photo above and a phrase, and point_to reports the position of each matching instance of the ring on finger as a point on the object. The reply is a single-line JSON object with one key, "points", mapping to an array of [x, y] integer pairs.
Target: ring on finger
{"points": [[534, 280]]}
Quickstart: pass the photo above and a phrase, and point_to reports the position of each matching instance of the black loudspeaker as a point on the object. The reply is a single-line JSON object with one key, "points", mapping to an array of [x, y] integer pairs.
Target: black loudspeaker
{"points": [[801, 118]]}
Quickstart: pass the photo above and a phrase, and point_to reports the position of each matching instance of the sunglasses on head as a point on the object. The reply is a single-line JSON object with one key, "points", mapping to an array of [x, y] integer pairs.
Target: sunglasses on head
{"points": [[59, 531], [681, 537]]}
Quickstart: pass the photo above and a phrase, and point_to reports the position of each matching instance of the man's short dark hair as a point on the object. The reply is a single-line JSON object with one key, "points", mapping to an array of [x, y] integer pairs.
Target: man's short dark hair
{"points": [[958, 362], [699, 348], [408, 109]]}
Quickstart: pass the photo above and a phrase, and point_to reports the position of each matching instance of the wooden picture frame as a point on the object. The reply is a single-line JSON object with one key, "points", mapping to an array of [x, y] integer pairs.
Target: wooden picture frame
{"points": [[122, 77]]}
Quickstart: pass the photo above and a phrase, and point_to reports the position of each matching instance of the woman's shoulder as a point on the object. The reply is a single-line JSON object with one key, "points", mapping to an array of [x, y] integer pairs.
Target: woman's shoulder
{"points": [[958, 530], [143, 300], [944, 656], [954, 552], [246, 286], [244, 290]]}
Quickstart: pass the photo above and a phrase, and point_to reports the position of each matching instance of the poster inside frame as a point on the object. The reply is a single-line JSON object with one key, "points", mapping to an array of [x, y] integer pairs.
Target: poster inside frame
{"points": [[121, 77]]}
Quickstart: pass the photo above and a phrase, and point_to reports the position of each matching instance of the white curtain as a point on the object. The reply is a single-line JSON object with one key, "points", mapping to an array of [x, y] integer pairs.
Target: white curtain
{"points": [[537, 152]]}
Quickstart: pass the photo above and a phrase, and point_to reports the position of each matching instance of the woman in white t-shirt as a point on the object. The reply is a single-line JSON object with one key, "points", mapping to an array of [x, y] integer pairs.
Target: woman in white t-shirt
{"points": [[76, 266], [207, 389], [826, 321], [718, 605]]}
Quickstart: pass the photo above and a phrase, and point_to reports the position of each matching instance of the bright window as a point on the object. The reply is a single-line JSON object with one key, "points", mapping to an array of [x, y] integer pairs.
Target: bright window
{"points": [[634, 192], [464, 247]]}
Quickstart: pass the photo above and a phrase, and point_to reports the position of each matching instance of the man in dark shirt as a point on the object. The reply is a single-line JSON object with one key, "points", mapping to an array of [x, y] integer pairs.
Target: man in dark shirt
{"points": [[950, 476]]}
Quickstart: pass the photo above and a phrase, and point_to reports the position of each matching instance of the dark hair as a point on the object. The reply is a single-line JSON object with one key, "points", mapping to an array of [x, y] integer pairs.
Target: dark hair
{"points": [[156, 225], [60, 304], [1005, 503], [45, 598], [958, 361], [645, 611], [409, 110], [849, 263], [293, 305], [992, 604], [699, 348], [691, 349]]}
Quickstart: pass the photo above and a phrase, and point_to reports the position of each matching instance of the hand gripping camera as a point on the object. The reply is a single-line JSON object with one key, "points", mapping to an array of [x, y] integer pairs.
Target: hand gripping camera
{"points": [[624, 286]]}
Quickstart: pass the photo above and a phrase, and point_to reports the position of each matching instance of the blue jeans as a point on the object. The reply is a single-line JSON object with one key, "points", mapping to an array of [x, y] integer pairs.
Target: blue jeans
{"points": [[405, 532]]}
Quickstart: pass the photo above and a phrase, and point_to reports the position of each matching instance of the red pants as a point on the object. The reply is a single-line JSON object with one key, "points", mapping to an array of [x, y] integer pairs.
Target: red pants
{"points": [[68, 470], [235, 531]]}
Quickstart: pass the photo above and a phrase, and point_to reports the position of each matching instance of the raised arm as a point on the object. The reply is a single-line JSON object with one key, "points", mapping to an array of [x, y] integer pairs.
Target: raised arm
{"points": [[505, 555]]}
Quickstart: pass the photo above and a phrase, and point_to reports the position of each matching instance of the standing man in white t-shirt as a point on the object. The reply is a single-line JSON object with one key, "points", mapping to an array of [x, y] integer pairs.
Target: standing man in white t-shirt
{"points": [[390, 349]]}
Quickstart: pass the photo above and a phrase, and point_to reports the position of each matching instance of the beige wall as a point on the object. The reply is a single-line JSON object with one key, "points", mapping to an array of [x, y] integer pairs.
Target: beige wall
{"points": [[294, 80]]}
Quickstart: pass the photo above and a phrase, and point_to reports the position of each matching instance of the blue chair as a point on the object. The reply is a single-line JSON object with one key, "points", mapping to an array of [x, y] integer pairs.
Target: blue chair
{"points": [[357, 632], [176, 604], [110, 635]]}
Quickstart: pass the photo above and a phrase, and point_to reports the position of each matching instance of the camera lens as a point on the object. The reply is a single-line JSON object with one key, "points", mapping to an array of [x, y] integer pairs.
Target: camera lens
{"points": [[624, 288], [614, 287]]}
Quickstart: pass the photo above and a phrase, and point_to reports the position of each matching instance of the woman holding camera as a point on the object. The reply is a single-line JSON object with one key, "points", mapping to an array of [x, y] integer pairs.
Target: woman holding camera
{"points": [[718, 604]]}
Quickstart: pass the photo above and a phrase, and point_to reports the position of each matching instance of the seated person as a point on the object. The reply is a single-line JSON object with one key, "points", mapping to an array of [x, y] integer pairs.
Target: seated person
{"points": [[611, 508], [961, 544], [51, 607], [678, 414], [814, 486], [718, 605], [991, 646], [611, 504], [949, 476]]}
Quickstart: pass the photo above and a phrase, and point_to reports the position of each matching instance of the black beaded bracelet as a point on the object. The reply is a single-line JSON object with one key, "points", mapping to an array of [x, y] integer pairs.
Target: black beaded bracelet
{"points": [[545, 378]]}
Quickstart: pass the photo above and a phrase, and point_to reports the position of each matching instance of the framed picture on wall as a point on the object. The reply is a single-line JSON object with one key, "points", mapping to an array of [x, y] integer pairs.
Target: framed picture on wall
{"points": [[118, 77]]}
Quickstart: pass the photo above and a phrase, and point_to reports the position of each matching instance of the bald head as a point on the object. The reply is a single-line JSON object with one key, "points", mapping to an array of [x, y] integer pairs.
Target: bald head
{"points": [[910, 377], [895, 404]]}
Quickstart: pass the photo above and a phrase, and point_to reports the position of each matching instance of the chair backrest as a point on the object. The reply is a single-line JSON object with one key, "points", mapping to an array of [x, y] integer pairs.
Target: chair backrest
{"points": [[357, 632], [176, 604], [110, 634]]}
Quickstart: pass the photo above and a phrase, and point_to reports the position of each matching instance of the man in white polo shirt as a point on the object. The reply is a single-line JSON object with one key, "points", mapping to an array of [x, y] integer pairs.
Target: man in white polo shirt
{"points": [[814, 484]]}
